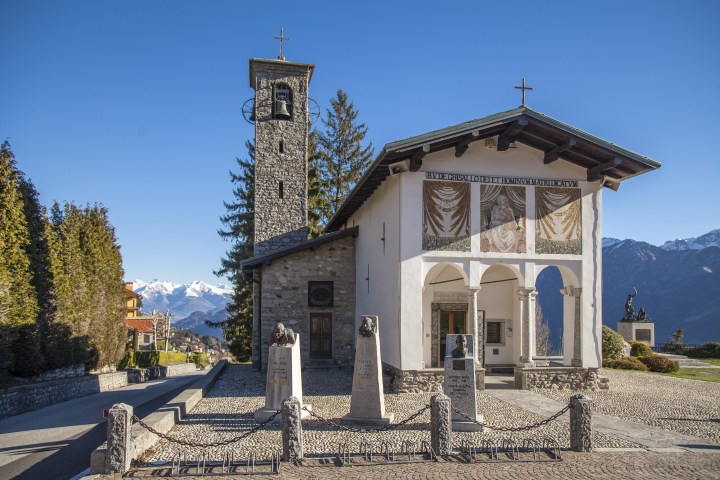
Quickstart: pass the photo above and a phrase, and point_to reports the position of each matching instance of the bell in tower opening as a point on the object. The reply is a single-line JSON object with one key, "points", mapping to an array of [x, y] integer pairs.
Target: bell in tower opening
{"points": [[282, 104]]}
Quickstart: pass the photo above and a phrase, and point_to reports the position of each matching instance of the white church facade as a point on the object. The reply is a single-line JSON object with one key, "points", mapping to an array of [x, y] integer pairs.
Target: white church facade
{"points": [[447, 232]]}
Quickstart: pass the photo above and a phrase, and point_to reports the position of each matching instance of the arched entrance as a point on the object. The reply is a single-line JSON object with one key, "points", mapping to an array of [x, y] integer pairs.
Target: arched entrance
{"points": [[555, 315], [445, 310], [499, 318]]}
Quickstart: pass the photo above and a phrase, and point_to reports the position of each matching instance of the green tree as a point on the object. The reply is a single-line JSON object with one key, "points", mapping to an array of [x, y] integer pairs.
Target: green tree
{"points": [[239, 222], [18, 301], [318, 206], [344, 159], [87, 269]]}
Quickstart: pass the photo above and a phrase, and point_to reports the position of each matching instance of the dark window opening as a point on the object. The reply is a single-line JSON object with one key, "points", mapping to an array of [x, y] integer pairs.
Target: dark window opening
{"points": [[281, 190], [282, 147], [320, 294], [493, 332]]}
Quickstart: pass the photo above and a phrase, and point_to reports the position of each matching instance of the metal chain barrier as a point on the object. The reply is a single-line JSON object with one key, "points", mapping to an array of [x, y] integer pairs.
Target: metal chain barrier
{"points": [[514, 429], [205, 445], [385, 428]]}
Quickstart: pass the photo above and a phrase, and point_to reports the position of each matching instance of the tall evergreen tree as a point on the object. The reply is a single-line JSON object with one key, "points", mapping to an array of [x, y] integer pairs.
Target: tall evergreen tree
{"points": [[318, 206], [239, 222], [89, 289], [344, 158], [18, 302]]}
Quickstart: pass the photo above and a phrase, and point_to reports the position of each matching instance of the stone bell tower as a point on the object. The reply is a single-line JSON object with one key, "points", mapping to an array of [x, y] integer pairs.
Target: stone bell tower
{"points": [[281, 137]]}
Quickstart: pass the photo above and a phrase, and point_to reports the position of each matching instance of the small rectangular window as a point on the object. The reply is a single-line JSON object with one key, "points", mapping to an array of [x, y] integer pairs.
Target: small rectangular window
{"points": [[281, 190], [493, 332]]}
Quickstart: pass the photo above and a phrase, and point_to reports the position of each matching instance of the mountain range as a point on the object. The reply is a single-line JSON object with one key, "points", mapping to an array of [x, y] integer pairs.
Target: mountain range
{"points": [[190, 304], [676, 283]]}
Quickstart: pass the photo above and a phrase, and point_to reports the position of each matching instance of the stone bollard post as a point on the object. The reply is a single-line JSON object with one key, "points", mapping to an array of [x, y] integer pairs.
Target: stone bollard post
{"points": [[581, 439], [441, 424], [119, 438], [291, 425]]}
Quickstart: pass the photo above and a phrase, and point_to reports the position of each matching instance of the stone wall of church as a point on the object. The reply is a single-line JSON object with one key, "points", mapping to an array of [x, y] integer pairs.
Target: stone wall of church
{"points": [[285, 297]]}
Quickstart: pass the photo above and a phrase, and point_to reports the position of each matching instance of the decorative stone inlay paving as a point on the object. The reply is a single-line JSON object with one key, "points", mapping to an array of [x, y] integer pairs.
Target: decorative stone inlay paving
{"points": [[690, 407], [227, 411]]}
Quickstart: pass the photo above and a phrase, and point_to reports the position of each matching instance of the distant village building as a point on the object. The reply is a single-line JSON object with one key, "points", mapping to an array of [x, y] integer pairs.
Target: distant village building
{"points": [[145, 332], [446, 232]]}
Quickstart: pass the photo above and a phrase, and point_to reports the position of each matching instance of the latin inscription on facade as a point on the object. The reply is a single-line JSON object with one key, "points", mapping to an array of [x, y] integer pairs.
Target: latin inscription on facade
{"points": [[462, 177]]}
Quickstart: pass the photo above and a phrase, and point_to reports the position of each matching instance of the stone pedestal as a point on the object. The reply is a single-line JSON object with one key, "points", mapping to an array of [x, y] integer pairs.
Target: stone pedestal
{"points": [[639, 331], [367, 404], [284, 380], [460, 387]]}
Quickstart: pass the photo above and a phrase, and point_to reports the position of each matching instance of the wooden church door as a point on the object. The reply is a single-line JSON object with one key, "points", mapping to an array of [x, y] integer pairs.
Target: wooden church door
{"points": [[321, 335]]}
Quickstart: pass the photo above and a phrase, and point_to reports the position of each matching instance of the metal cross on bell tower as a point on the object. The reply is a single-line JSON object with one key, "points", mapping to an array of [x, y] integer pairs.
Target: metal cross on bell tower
{"points": [[523, 88], [282, 38]]}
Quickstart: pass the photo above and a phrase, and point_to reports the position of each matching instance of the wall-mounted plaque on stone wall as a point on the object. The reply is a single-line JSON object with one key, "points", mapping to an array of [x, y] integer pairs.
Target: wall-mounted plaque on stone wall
{"points": [[320, 294]]}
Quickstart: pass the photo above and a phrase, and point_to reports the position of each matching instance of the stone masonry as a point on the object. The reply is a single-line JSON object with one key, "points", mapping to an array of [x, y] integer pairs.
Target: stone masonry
{"points": [[559, 378], [280, 155], [285, 297]]}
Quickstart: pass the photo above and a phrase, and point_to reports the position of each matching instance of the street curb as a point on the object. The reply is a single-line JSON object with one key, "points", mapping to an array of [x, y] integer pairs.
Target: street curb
{"points": [[162, 420]]}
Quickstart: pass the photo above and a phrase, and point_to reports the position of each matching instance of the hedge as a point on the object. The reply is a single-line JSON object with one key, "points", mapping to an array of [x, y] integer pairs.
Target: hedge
{"points": [[613, 343], [151, 359], [625, 363], [660, 364], [640, 349]]}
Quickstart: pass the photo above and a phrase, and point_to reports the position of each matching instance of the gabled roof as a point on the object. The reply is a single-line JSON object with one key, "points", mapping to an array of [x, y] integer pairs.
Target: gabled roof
{"points": [[558, 140], [143, 325], [267, 258]]}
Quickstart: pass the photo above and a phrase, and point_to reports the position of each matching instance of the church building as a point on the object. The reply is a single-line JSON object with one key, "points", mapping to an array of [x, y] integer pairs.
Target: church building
{"points": [[446, 232]]}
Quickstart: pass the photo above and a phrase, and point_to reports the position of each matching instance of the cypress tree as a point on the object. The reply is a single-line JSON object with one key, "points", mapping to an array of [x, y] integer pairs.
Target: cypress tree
{"points": [[344, 159], [18, 302]]}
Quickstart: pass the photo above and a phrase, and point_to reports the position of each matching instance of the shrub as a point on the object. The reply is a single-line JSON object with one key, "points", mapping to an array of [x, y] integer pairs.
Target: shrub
{"points": [[171, 358], [625, 363], [708, 350], [661, 364], [640, 349], [200, 359], [612, 343]]}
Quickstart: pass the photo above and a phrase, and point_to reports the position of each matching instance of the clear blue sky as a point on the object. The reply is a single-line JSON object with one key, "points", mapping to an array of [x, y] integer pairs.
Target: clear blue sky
{"points": [[137, 104]]}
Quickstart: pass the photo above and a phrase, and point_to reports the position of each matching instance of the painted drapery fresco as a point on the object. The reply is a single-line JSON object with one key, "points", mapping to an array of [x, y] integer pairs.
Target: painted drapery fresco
{"points": [[559, 221], [502, 220], [446, 216]]}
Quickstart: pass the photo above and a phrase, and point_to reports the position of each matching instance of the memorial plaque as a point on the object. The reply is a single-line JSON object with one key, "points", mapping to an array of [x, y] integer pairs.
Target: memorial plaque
{"points": [[460, 386], [643, 335], [367, 404], [284, 379]]}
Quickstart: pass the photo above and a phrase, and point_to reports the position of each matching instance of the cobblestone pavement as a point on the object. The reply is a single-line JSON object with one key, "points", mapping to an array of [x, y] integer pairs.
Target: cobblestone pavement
{"points": [[690, 407], [227, 411], [604, 465]]}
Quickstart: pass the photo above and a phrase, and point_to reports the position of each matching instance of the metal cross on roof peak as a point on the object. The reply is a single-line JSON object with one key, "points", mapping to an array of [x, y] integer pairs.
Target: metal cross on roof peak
{"points": [[523, 88], [282, 38]]}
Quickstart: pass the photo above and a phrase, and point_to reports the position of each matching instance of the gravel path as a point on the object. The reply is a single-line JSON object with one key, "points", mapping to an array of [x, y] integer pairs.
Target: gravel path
{"points": [[227, 411], [686, 406]]}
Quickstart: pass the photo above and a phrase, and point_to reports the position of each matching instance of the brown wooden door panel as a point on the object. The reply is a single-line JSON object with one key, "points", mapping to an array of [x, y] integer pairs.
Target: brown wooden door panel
{"points": [[321, 335]]}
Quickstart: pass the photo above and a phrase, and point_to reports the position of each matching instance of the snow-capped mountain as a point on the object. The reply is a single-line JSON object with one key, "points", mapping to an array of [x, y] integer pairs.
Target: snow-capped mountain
{"points": [[710, 239], [182, 299]]}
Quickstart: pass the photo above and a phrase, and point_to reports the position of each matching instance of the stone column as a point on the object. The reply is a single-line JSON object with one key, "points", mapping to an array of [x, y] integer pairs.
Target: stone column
{"points": [[441, 424], [119, 438], [576, 293], [475, 328], [581, 439], [291, 425], [527, 326]]}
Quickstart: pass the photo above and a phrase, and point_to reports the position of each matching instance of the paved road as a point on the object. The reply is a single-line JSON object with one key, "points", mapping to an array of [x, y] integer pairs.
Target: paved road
{"points": [[55, 442]]}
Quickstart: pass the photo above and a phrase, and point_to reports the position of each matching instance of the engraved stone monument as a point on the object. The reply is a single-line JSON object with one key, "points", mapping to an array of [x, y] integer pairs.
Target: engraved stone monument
{"points": [[367, 404], [460, 382], [283, 373], [636, 327]]}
